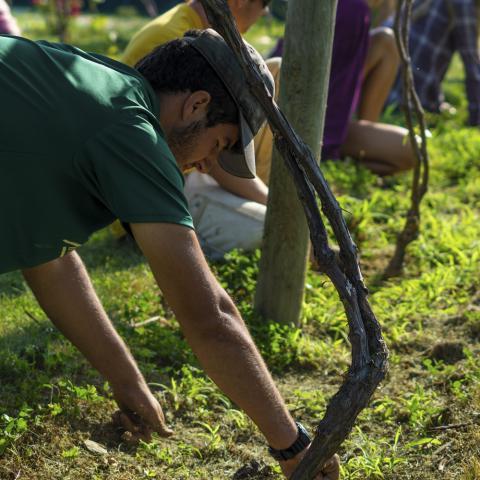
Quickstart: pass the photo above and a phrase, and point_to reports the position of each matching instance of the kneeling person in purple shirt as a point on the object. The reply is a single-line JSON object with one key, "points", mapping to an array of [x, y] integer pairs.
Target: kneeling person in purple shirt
{"points": [[363, 68]]}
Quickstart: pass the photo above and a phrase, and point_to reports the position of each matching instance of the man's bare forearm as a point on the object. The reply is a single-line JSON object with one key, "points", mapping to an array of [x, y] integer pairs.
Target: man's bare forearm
{"points": [[214, 328], [229, 356], [64, 291]]}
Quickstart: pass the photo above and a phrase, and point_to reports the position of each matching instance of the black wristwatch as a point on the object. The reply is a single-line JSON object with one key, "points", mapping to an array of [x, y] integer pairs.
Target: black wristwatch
{"points": [[303, 441]]}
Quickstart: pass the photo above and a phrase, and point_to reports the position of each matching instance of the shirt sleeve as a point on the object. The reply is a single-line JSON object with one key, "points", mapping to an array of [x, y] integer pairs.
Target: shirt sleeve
{"points": [[129, 168], [465, 38]]}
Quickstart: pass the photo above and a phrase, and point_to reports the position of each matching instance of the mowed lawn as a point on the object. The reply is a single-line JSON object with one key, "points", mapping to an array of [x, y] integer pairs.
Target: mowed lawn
{"points": [[423, 423]]}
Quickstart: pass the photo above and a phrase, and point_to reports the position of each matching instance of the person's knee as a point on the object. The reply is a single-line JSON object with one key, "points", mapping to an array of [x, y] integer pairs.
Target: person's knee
{"points": [[408, 160], [224, 221], [384, 38], [412, 159], [408, 163]]}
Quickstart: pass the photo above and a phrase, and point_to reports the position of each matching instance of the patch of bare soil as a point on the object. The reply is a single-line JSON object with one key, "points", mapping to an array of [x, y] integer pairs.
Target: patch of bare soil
{"points": [[253, 471], [448, 352]]}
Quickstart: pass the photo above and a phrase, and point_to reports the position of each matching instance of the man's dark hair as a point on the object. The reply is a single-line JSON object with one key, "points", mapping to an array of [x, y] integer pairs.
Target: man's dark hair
{"points": [[176, 67]]}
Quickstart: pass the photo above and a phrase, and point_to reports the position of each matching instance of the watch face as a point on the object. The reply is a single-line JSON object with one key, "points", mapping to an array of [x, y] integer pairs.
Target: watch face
{"points": [[302, 429], [303, 439]]}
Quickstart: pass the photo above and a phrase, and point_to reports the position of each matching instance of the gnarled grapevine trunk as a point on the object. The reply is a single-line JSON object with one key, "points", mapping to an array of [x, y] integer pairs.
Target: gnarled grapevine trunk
{"points": [[369, 352]]}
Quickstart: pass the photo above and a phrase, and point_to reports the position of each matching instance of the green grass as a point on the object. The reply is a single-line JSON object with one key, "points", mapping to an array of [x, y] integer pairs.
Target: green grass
{"points": [[51, 401]]}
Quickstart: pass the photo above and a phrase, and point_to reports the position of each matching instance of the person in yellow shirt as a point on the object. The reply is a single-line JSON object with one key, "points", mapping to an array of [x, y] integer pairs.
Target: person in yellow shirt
{"points": [[187, 16], [228, 211], [172, 24]]}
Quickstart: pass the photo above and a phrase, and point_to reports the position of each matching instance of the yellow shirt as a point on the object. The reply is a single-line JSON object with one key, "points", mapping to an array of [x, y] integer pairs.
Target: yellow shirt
{"points": [[169, 26]]}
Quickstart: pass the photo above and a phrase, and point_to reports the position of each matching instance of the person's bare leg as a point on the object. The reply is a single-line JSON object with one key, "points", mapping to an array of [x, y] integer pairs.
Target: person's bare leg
{"points": [[383, 149], [380, 70]]}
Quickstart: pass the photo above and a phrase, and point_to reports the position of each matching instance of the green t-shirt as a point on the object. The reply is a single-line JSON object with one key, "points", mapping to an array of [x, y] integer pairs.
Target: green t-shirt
{"points": [[80, 145]]}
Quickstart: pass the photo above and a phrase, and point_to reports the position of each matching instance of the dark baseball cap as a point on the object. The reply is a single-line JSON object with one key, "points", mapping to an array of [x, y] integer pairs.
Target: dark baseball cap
{"points": [[240, 159]]}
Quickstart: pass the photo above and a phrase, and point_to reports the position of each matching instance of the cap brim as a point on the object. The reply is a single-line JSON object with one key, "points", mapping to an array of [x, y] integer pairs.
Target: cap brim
{"points": [[240, 161]]}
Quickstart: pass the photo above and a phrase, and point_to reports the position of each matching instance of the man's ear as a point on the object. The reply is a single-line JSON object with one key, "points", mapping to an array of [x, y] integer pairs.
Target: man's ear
{"points": [[196, 105]]}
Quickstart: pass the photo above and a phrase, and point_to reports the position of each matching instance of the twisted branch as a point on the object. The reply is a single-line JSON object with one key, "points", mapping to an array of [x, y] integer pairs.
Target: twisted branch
{"points": [[369, 352], [413, 111]]}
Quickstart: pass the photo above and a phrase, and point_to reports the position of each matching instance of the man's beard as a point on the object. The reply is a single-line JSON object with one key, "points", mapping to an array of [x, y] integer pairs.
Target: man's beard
{"points": [[183, 140]]}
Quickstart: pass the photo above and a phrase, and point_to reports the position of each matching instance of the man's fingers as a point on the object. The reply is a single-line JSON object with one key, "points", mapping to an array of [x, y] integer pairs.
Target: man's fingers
{"points": [[331, 469], [333, 463], [137, 429], [134, 438], [156, 421], [116, 419], [140, 413], [124, 422], [129, 423], [163, 430]]}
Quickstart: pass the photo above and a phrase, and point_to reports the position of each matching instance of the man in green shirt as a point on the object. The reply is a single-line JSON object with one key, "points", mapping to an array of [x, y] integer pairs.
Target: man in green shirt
{"points": [[85, 140]]}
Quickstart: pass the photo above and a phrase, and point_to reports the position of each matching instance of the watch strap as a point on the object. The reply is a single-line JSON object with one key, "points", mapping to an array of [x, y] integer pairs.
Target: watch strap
{"points": [[303, 441]]}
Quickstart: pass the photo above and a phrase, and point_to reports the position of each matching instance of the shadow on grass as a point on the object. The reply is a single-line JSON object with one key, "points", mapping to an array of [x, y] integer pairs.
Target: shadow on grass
{"points": [[12, 284], [109, 254], [101, 252]]}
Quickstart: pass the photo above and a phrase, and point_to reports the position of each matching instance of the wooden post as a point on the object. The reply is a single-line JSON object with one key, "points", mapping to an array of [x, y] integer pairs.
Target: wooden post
{"points": [[303, 94]]}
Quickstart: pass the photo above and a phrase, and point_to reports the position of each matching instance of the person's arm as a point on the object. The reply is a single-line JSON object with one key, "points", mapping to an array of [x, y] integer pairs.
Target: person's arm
{"points": [[217, 334], [64, 291], [213, 327], [465, 37], [249, 188]]}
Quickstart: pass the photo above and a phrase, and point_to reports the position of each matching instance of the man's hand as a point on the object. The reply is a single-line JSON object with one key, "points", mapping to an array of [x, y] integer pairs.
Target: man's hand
{"points": [[140, 414], [64, 291], [330, 471]]}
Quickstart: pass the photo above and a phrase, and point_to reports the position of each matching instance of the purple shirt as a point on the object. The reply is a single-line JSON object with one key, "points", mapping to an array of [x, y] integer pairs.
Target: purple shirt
{"points": [[350, 45], [447, 27]]}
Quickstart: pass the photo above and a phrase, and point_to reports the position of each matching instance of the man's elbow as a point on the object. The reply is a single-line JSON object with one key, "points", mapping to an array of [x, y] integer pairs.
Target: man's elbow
{"points": [[216, 319]]}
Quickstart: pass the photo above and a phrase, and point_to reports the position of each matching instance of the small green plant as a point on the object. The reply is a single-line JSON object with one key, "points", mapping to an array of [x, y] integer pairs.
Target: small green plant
{"points": [[55, 409], [12, 428], [71, 453], [213, 440], [192, 389], [424, 442], [421, 408], [385, 409], [373, 459]]}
